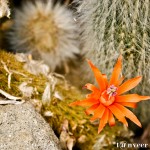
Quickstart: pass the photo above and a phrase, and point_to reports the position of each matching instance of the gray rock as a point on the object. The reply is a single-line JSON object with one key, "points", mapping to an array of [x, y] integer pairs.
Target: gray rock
{"points": [[22, 128]]}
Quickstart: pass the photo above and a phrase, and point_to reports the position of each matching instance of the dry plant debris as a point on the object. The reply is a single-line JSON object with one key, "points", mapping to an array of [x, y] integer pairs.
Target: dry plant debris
{"points": [[4, 9]]}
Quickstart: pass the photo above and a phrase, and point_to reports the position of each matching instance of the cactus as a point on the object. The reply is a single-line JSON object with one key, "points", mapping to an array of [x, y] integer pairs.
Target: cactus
{"points": [[47, 31], [70, 123], [113, 27]]}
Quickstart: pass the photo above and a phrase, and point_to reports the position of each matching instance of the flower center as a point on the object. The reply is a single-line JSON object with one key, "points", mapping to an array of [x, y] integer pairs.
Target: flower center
{"points": [[108, 96], [112, 91]]}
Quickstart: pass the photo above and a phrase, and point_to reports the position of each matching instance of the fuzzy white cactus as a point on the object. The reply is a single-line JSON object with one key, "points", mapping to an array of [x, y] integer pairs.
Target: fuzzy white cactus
{"points": [[47, 31]]}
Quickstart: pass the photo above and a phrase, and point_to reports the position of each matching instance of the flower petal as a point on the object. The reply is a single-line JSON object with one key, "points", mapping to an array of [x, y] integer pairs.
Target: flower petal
{"points": [[91, 87], [103, 120], [128, 114], [128, 85], [118, 114], [105, 79], [111, 119], [131, 98], [120, 81], [91, 109], [95, 91], [85, 102], [98, 112], [93, 95], [129, 104], [116, 72], [98, 76]]}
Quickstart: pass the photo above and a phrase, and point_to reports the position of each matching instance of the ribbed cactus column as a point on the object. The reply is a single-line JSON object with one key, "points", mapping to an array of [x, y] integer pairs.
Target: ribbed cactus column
{"points": [[111, 27]]}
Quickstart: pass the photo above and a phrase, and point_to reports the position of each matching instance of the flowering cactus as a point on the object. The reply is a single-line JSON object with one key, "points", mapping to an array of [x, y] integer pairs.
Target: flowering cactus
{"points": [[113, 27]]}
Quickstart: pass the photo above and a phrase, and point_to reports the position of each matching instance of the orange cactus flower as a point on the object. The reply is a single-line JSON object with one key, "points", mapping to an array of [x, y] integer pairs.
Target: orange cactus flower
{"points": [[107, 101]]}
